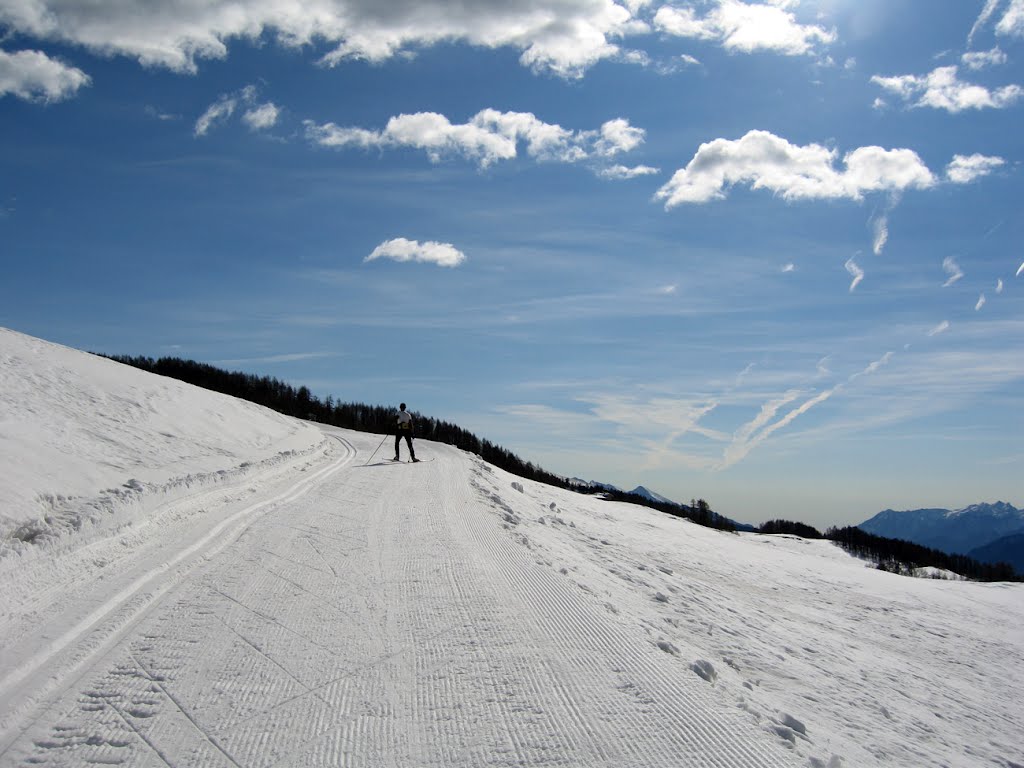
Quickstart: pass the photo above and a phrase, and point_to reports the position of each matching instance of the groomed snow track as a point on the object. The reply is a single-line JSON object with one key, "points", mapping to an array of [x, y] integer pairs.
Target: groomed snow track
{"points": [[380, 615]]}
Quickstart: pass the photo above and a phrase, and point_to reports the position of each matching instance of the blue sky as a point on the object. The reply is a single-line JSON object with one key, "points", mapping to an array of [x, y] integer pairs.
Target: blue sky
{"points": [[764, 253]]}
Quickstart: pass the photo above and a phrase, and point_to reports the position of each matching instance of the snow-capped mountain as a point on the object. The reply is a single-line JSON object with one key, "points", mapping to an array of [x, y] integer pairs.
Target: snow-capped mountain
{"points": [[649, 494], [955, 531]]}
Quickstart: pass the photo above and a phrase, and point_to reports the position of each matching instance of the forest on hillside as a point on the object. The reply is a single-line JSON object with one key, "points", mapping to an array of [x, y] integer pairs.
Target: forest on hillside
{"points": [[896, 555]]}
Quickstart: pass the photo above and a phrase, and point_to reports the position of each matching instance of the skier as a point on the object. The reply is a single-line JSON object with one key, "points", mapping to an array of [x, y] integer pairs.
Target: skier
{"points": [[404, 427]]}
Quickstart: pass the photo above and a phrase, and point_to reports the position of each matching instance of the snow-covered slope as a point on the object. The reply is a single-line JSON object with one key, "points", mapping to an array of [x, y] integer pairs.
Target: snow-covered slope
{"points": [[88, 442], [328, 611]]}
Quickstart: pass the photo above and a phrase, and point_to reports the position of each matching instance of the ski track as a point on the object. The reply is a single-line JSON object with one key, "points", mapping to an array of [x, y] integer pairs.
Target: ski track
{"points": [[374, 616]]}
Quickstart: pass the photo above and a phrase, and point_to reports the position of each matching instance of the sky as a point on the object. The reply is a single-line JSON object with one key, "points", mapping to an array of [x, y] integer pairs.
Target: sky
{"points": [[762, 253]]}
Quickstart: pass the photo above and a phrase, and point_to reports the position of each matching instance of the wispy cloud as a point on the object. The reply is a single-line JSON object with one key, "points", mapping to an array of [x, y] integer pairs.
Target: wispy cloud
{"points": [[1010, 25], [1020, 269], [942, 88], [976, 60], [951, 268], [940, 328], [999, 285], [872, 367], [625, 172], [758, 430], [880, 230], [402, 250], [855, 271], [989, 8], [981, 302], [766, 161], [787, 268], [34, 76], [257, 116]]}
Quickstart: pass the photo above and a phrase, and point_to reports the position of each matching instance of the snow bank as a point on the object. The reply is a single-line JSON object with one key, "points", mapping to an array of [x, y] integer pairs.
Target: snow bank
{"points": [[85, 441]]}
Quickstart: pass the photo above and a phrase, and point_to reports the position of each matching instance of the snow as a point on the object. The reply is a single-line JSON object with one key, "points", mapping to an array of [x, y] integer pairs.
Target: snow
{"points": [[265, 596]]}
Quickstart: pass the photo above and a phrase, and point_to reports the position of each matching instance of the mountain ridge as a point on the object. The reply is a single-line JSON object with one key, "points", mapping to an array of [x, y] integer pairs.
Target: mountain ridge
{"points": [[955, 531]]}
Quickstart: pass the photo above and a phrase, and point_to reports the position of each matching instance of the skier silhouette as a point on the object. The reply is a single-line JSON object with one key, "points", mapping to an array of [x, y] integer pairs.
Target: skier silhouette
{"points": [[404, 428]]}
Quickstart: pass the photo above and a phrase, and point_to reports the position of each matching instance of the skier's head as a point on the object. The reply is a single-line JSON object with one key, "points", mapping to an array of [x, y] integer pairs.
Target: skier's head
{"points": [[401, 407]]}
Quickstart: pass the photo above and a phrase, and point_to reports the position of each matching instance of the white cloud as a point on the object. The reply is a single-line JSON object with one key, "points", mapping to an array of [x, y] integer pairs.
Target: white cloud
{"points": [[963, 169], [34, 76], [762, 426], [561, 36], [1020, 269], [216, 113], [940, 328], [880, 231], [855, 271], [999, 286], [766, 161], [791, 267], [262, 117], [1012, 23], [490, 136], [748, 438], [618, 136], [976, 60], [257, 116], [942, 89], [951, 268], [402, 250], [625, 172], [872, 367], [745, 27], [983, 17], [981, 302], [668, 290]]}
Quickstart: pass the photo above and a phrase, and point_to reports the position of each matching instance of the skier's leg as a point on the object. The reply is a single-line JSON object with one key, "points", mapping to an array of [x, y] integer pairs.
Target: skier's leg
{"points": [[398, 442]]}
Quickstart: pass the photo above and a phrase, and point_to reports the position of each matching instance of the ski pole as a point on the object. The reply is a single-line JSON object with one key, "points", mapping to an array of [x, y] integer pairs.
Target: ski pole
{"points": [[377, 449]]}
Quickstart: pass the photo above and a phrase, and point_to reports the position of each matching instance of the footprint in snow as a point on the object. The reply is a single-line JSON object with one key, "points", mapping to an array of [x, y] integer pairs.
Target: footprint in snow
{"points": [[705, 669]]}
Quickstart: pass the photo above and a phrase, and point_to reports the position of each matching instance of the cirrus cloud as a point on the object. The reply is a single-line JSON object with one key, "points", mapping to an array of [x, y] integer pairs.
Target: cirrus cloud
{"points": [[402, 250], [766, 161], [257, 116]]}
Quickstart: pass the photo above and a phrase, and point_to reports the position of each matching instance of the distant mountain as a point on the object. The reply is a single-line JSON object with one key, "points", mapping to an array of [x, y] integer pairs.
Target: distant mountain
{"points": [[648, 494], [592, 484], [953, 531], [1009, 549]]}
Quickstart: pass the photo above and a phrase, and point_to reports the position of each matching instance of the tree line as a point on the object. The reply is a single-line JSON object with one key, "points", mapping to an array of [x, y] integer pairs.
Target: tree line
{"points": [[698, 511], [896, 555]]}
